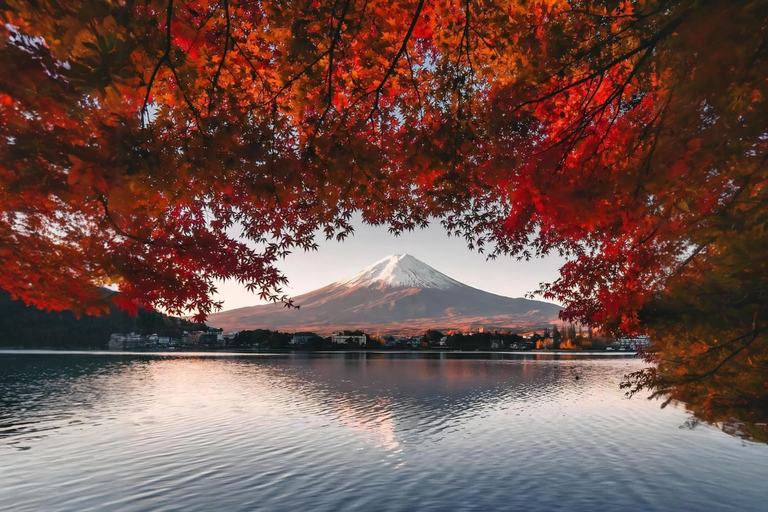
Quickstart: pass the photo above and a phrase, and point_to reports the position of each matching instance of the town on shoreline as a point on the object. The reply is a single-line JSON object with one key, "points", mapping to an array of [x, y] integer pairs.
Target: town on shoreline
{"points": [[564, 338]]}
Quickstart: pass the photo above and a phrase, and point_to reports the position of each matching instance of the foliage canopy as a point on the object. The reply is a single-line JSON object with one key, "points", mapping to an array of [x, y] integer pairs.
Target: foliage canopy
{"points": [[161, 144]]}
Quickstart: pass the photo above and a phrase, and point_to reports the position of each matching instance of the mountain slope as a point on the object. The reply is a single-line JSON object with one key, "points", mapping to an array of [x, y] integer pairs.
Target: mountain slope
{"points": [[396, 294]]}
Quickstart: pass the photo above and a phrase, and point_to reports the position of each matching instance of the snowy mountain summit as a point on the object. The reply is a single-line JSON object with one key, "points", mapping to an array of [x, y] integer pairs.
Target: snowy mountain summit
{"points": [[400, 270], [398, 294]]}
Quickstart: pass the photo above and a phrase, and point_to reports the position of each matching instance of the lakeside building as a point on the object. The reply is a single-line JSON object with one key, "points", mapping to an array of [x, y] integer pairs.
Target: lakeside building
{"points": [[120, 341], [201, 338], [301, 338], [403, 341], [132, 341], [339, 337], [210, 339], [229, 337], [630, 343], [216, 336], [191, 338]]}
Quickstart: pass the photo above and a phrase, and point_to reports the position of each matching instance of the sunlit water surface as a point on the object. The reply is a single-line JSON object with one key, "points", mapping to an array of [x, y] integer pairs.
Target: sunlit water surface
{"points": [[355, 432]]}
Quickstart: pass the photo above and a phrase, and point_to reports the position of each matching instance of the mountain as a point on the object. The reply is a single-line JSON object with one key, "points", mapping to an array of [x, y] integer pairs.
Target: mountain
{"points": [[398, 294]]}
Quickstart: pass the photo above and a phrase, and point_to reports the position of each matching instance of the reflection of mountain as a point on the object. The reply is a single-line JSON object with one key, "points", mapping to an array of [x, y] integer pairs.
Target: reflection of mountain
{"points": [[390, 397], [394, 399], [387, 397], [353, 432], [397, 293]]}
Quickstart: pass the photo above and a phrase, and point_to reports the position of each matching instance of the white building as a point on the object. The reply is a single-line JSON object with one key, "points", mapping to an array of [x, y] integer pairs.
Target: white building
{"points": [[339, 337]]}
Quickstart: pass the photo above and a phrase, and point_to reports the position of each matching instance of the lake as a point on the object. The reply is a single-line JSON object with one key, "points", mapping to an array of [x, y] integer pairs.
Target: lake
{"points": [[356, 432]]}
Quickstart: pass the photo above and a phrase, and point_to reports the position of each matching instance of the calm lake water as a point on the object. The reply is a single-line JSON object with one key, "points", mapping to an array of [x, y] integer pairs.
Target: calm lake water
{"points": [[357, 432]]}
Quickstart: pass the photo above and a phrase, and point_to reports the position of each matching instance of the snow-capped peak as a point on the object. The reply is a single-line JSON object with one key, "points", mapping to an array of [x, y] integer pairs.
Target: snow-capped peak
{"points": [[400, 270]]}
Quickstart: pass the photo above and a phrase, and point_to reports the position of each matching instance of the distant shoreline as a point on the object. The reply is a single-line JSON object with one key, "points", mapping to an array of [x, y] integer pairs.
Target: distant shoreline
{"points": [[19, 351]]}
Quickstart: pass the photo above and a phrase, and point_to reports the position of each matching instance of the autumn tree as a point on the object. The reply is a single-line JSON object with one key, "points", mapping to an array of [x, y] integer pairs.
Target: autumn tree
{"points": [[556, 336], [160, 145]]}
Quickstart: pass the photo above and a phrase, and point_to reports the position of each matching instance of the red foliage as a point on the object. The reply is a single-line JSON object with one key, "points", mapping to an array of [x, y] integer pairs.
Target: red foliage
{"points": [[166, 145]]}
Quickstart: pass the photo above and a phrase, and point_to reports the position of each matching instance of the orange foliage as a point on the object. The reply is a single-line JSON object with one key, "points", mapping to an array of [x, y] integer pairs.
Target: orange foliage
{"points": [[161, 145]]}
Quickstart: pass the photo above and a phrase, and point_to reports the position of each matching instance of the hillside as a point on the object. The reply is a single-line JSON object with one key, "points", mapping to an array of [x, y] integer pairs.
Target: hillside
{"points": [[22, 326]]}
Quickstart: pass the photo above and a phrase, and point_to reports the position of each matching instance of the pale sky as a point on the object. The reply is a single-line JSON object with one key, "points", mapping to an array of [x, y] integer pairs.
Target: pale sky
{"points": [[307, 271]]}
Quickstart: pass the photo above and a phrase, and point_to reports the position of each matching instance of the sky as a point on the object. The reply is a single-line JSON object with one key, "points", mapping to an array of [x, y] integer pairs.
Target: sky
{"points": [[308, 271]]}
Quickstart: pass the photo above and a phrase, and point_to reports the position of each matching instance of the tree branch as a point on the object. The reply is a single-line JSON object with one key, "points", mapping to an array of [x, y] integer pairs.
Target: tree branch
{"points": [[165, 58], [394, 62], [227, 36]]}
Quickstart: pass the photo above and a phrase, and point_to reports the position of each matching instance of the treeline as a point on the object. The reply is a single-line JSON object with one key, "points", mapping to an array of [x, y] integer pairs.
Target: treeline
{"points": [[570, 337], [565, 338], [485, 341], [264, 338], [27, 327]]}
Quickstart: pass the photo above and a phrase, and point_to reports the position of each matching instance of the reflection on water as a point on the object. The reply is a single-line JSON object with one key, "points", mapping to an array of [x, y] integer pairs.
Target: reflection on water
{"points": [[725, 388], [355, 432]]}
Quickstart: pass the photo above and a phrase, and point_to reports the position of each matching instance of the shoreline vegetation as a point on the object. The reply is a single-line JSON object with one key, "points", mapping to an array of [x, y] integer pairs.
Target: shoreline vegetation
{"points": [[275, 344], [263, 339], [245, 352], [547, 339]]}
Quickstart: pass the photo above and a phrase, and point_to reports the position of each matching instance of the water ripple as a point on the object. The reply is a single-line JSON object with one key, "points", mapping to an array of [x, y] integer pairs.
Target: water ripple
{"points": [[142, 432]]}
